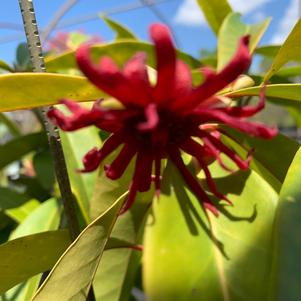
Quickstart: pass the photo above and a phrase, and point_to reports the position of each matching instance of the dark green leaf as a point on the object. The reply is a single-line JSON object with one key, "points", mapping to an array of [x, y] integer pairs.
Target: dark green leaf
{"points": [[10, 198]]}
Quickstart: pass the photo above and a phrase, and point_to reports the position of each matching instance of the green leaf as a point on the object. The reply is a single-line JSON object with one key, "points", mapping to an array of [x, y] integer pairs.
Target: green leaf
{"points": [[120, 52], [19, 214], [43, 165], [27, 256], [267, 50], [18, 147], [290, 50], [264, 161], [289, 71], [44, 218], [29, 90], [12, 127], [215, 12], [287, 266], [116, 273], [73, 274], [182, 261], [76, 145], [121, 31], [10, 198], [280, 94], [230, 33]]}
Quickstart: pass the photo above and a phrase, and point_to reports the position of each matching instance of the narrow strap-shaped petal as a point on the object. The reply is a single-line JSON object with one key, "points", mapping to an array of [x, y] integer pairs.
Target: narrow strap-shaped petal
{"points": [[130, 198], [196, 150], [252, 128], [143, 171], [91, 160], [166, 62], [242, 164], [80, 117], [116, 169], [183, 80], [136, 73], [216, 82], [247, 111], [192, 183], [106, 76]]}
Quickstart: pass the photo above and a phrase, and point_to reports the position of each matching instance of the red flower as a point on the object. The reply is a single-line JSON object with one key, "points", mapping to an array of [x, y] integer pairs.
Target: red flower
{"points": [[161, 121]]}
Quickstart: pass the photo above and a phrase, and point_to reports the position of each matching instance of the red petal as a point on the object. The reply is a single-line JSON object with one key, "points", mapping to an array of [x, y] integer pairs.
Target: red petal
{"points": [[192, 183], [80, 118], [247, 111], [253, 128], [130, 198], [136, 73], [166, 62], [116, 169], [216, 82], [143, 171], [152, 118], [91, 160], [106, 77], [196, 150]]}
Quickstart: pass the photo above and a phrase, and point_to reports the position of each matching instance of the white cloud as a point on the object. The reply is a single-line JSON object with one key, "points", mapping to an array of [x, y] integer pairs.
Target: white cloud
{"points": [[190, 14], [287, 23]]}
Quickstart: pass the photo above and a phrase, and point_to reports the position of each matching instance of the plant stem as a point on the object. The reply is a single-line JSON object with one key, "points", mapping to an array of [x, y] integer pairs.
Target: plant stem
{"points": [[37, 60]]}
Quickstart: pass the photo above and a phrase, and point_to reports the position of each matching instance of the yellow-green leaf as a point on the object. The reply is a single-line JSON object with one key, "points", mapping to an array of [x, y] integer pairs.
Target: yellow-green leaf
{"points": [[231, 31], [29, 90], [215, 12], [290, 50]]}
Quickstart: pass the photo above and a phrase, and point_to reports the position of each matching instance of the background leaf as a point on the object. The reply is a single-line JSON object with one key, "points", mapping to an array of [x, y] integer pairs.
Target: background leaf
{"points": [[290, 50], [215, 11], [230, 33]]}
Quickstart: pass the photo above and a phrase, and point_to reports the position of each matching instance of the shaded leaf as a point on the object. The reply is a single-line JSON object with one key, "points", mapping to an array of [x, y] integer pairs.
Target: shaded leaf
{"points": [[27, 256], [5, 66], [18, 147], [10, 198], [73, 274]]}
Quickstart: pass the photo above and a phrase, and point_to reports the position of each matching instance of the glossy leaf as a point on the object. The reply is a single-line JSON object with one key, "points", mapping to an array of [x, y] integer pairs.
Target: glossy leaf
{"points": [[120, 52], [231, 31], [267, 50], [29, 90], [21, 258], [121, 31], [215, 11], [18, 147], [82, 184], [289, 71], [265, 162], [280, 94], [73, 274], [290, 50], [287, 237], [182, 261]]}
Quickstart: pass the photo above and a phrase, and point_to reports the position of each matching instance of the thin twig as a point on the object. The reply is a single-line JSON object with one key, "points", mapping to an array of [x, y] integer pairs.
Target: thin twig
{"points": [[37, 59]]}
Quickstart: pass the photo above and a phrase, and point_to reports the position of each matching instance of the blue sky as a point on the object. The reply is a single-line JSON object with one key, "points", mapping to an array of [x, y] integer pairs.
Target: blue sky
{"points": [[188, 23]]}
